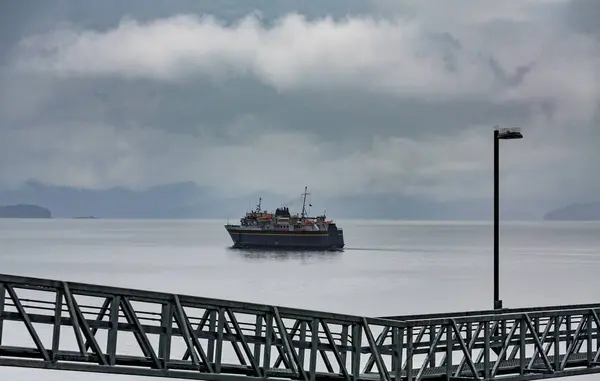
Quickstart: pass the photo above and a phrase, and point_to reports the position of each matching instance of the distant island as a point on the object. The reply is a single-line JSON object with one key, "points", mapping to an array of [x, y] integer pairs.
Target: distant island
{"points": [[24, 211], [589, 211]]}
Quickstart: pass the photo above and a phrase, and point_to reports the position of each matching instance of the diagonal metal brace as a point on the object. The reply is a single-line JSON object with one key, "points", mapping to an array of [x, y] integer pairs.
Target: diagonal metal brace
{"points": [[27, 321]]}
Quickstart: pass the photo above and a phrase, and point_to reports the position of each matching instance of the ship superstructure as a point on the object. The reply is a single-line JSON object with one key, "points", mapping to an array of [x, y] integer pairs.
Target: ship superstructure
{"points": [[281, 229]]}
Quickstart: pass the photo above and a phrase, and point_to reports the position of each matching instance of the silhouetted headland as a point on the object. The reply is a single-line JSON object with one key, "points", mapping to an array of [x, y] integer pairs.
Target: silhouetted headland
{"points": [[589, 211], [24, 211]]}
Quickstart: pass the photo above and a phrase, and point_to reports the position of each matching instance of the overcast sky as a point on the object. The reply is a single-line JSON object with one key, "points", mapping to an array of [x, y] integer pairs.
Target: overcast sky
{"points": [[342, 96]]}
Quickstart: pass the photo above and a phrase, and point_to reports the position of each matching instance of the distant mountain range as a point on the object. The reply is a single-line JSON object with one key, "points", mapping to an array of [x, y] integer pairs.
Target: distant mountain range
{"points": [[178, 200], [188, 200], [589, 211]]}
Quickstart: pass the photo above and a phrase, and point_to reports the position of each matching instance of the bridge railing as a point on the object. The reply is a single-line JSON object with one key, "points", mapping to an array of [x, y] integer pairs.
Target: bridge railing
{"points": [[98, 328], [75, 326]]}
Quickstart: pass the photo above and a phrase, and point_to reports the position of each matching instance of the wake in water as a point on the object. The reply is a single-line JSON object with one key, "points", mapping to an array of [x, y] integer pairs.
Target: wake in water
{"points": [[390, 249], [371, 249]]}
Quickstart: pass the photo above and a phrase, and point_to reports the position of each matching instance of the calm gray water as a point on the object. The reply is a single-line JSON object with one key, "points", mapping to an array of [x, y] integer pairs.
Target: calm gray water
{"points": [[388, 267]]}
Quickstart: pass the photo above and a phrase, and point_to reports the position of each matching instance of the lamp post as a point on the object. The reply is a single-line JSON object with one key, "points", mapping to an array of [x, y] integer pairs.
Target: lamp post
{"points": [[499, 134]]}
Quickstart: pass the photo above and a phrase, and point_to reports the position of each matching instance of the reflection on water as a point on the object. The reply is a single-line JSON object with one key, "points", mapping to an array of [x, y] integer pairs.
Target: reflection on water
{"points": [[284, 255]]}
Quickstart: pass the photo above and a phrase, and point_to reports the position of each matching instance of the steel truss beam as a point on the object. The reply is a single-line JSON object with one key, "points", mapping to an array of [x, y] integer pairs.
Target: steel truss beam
{"points": [[73, 326]]}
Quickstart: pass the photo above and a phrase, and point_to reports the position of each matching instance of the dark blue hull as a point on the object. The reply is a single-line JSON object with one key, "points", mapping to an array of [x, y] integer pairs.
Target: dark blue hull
{"points": [[332, 239]]}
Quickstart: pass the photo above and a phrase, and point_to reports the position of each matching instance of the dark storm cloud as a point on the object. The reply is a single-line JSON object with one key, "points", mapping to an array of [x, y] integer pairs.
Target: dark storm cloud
{"points": [[583, 15], [403, 103], [192, 106]]}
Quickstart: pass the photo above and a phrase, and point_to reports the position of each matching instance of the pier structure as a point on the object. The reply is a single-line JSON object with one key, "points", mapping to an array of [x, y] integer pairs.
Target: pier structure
{"points": [[51, 324]]}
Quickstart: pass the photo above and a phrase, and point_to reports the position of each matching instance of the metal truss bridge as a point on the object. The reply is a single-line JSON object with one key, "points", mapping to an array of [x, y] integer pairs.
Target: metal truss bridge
{"points": [[51, 324]]}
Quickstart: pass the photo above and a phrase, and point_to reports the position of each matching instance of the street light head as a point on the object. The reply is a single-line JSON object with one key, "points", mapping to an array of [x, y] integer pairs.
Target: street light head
{"points": [[510, 133]]}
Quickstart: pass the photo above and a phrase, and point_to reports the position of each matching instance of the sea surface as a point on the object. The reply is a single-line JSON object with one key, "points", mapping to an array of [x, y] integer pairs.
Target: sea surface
{"points": [[387, 268]]}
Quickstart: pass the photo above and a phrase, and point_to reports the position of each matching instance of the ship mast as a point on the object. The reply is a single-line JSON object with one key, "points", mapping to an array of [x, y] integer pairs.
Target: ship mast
{"points": [[304, 202], [258, 206]]}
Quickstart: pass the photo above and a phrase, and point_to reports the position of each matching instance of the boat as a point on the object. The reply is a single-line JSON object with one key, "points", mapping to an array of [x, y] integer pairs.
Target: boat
{"points": [[282, 230]]}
